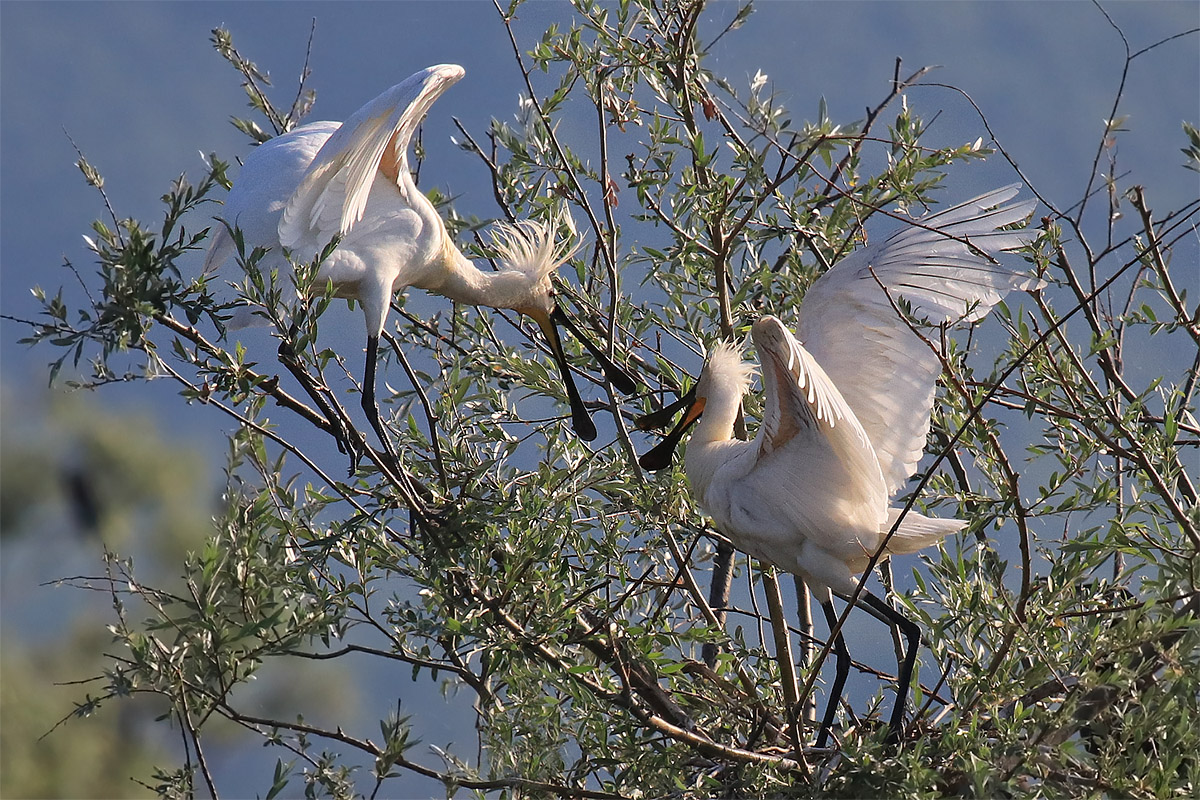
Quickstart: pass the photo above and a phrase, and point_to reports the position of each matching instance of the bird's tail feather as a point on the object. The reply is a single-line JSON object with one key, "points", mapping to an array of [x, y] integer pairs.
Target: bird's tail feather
{"points": [[244, 317], [219, 249], [918, 531]]}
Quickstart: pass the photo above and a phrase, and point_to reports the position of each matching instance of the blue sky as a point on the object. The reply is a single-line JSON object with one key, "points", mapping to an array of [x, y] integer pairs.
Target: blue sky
{"points": [[140, 90]]}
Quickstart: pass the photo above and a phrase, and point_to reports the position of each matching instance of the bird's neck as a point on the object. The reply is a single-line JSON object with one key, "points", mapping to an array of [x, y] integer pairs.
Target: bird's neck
{"points": [[458, 278], [465, 283], [721, 408], [712, 445], [704, 458]]}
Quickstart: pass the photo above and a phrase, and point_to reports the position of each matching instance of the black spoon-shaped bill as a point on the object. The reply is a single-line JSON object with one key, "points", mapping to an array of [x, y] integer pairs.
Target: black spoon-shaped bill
{"points": [[665, 415], [659, 457], [580, 421], [618, 377]]}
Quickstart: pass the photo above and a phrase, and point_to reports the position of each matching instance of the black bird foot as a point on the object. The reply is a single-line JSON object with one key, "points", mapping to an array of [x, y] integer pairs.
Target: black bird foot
{"points": [[355, 453]]}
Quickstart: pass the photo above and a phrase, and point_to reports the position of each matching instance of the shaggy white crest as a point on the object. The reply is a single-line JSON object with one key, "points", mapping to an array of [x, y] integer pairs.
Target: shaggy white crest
{"points": [[529, 247], [725, 364]]}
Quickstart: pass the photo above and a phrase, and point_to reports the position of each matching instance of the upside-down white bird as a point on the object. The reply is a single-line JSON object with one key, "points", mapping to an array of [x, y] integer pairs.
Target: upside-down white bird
{"points": [[300, 190], [846, 411]]}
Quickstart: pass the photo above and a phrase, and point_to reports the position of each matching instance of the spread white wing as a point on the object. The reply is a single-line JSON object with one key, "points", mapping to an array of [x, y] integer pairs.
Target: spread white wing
{"points": [[884, 372], [332, 196], [811, 450]]}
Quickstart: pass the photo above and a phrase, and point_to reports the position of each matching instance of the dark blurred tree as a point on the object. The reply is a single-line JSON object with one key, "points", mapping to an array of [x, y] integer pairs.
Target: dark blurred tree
{"points": [[81, 480], [96, 757], [78, 479]]}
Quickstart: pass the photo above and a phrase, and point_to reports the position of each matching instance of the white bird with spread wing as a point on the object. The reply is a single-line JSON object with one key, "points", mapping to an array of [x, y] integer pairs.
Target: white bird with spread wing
{"points": [[299, 191], [846, 412]]}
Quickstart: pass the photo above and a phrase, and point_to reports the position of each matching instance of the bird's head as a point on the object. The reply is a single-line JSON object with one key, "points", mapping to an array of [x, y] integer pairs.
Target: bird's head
{"points": [[725, 371], [724, 374], [530, 249]]}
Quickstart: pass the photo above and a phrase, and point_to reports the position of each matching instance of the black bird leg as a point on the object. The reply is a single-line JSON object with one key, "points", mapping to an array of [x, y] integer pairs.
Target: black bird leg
{"points": [[370, 407], [912, 632], [841, 672]]}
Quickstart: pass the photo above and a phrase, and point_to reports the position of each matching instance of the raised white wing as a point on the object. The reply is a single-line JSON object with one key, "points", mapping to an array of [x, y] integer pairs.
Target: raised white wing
{"points": [[885, 373], [333, 194], [267, 180], [821, 461]]}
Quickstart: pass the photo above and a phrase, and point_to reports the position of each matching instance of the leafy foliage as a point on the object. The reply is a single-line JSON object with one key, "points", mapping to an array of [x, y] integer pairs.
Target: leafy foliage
{"points": [[557, 584]]}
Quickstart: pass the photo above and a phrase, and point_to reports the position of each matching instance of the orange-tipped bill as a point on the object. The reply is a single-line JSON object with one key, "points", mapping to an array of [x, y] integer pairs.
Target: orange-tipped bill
{"points": [[665, 415], [659, 457]]}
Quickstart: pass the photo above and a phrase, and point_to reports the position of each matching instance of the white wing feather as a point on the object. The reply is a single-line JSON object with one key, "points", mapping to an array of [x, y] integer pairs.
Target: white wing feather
{"points": [[220, 248], [267, 180], [333, 194], [884, 372], [807, 422]]}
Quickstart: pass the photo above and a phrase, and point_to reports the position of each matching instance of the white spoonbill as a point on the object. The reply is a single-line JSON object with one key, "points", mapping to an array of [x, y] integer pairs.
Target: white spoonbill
{"points": [[846, 412], [298, 191]]}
